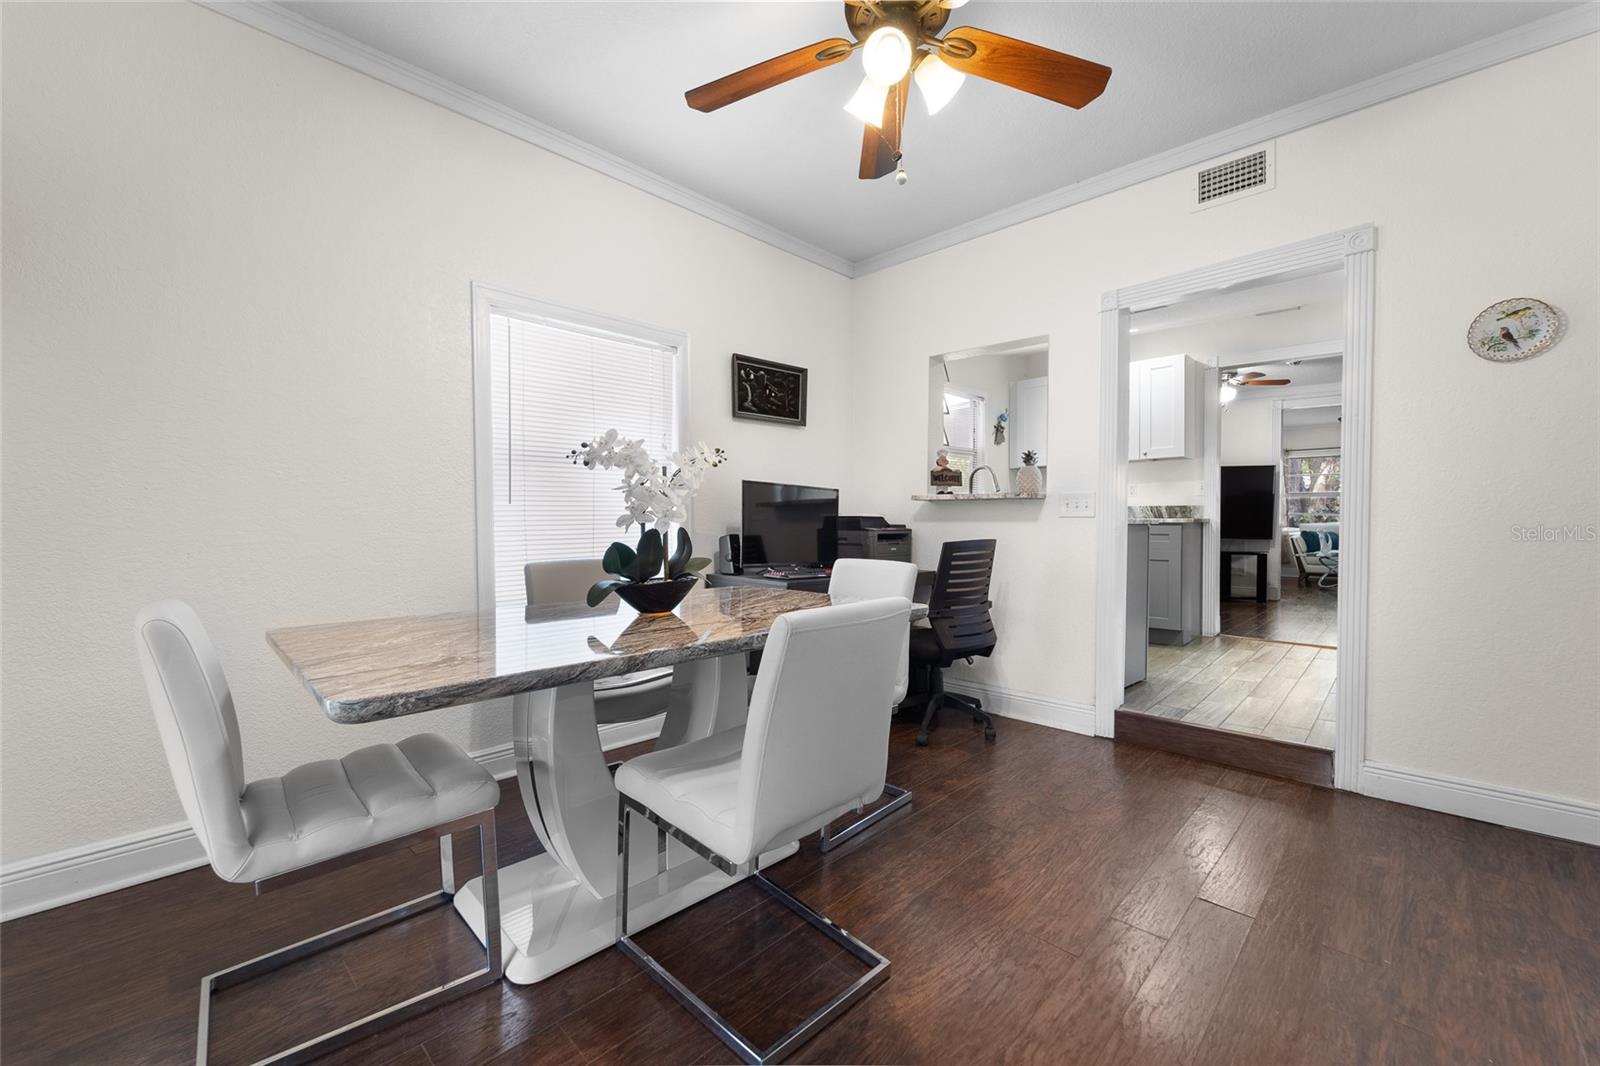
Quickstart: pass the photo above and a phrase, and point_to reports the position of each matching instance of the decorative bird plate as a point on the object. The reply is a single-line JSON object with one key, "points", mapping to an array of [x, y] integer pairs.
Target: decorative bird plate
{"points": [[1514, 329]]}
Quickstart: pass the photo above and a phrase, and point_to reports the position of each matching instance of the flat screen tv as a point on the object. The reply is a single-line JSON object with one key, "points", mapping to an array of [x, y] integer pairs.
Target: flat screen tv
{"points": [[789, 525], [1249, 503]]}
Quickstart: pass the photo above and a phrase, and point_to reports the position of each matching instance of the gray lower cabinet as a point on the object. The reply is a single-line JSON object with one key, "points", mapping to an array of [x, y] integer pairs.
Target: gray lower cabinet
{"points": [[1173, 592], [1137, 660]]}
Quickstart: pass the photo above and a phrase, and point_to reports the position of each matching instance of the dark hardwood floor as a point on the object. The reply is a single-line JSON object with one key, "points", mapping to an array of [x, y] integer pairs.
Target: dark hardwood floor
{"points": [[1304, 615], [1050, 898]]}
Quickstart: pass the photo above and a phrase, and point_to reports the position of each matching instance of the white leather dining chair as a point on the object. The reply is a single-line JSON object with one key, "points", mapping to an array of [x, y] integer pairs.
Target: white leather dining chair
{"points": [[869, 579], [317, 817], [814, 746], [626, 697]]}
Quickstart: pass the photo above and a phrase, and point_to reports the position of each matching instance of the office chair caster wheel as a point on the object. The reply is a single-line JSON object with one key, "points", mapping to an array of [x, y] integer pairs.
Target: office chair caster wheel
{"points": [[922, 740], [988, 732]]}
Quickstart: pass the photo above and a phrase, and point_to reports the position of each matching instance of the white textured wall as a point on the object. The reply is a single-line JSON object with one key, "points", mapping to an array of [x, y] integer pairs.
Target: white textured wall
{"points": [[1481, 664], [1321, 435], [238, 370]]}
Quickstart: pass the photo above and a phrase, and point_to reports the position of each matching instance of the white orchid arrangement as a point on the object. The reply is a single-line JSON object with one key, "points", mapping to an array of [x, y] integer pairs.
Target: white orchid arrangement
{"points": [[653, 493], [655, 496]]}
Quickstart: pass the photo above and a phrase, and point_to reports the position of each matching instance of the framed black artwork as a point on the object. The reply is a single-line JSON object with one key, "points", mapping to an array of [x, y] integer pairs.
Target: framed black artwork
{"points": [[769, 392]]}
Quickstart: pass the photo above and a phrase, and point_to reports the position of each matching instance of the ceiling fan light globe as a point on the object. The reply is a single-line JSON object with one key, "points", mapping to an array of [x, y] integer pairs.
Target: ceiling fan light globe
{"points": [[1226, 394], [887, 55], [938, 81], [867, 103]]}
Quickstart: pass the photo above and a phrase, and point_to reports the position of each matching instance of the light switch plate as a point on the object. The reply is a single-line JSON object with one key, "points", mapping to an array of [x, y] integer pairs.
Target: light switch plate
{"points": [[1077, 505]]}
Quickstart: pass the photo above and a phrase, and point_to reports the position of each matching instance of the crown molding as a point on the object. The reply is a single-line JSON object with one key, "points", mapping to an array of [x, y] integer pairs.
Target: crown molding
{"points": [[280, 22], [269, 17], [1542, 33]]}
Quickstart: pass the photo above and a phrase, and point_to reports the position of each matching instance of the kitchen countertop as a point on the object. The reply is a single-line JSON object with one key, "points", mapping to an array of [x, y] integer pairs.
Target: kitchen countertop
{"points": [[945, 497], [1163, 513]]}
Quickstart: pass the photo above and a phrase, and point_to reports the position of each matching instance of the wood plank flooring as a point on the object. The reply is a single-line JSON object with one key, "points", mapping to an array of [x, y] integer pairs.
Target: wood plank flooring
{"points": [[1246, 751], [1270, 689], [1304, 615], [1050, 898]]}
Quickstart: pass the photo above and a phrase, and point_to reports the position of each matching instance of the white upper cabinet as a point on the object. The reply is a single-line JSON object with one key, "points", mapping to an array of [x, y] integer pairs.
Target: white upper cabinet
{"points": [[1164, 412], [1029, 420]]}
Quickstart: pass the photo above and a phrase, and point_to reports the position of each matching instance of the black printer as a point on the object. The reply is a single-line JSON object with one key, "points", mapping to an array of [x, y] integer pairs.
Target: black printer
{"points": [[870, 537]]}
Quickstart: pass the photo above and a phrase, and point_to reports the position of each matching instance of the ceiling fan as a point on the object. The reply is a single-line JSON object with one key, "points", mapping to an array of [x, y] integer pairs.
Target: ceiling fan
{"points": [[1254, 377], [1233, 382], [899, 43]]}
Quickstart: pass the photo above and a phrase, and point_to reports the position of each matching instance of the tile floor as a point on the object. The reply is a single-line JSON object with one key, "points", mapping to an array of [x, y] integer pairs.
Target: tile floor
{"points": [[1283, 691]]}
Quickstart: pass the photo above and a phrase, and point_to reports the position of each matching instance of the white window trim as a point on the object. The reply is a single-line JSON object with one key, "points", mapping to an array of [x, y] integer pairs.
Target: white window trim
{"points": [[486, 301]]}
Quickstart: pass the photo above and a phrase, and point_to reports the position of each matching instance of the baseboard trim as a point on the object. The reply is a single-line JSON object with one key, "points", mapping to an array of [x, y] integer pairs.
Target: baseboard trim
{"points": [[1548, 815], [73, 874], [1027, 706]]}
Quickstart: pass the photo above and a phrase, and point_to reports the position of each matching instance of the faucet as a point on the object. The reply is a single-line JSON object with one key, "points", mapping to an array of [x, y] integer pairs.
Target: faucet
{"points": [[973, 476]]}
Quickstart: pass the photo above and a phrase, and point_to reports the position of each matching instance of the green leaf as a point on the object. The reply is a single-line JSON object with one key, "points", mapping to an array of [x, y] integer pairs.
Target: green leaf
{"points": [[650, 554], [680, 553], [619, 560], [601, 589], [695, 565]]}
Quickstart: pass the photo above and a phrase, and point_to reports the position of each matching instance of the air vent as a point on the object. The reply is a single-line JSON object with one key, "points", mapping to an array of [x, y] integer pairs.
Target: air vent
{"points": [[1243, 175]]}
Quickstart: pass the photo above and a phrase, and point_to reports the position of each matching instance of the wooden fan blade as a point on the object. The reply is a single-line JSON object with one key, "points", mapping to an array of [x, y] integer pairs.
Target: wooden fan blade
{"points": [[775, 71], [880, 146], [1029, 67], [1252, 374], [1267, 381]]}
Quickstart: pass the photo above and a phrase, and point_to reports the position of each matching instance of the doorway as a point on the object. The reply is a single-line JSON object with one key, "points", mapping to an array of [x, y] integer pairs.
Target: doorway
{"points": [[1327, 284]]}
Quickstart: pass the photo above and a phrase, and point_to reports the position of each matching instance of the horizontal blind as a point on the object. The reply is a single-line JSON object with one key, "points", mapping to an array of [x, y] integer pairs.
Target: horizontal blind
{"points": [[555, 385], [963, 420]]}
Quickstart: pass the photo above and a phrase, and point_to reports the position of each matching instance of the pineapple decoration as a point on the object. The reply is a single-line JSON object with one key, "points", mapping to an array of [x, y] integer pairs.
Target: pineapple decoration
{"points": [[1029, 483]]}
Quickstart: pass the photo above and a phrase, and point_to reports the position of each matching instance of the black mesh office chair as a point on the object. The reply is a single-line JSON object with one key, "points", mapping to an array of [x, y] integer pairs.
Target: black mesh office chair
{"points": [[959, 627]]}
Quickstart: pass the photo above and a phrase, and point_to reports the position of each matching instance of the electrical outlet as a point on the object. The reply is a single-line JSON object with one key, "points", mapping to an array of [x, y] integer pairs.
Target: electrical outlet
{"points": [[1077, 505]]}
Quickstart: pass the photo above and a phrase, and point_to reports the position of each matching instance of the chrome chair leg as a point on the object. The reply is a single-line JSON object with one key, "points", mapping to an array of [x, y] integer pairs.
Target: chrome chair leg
{"points": [[899, 798], [323, 1043], [738, 1043]]}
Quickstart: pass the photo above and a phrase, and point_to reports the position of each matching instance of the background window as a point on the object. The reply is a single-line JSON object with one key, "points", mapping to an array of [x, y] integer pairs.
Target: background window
{"points": [[1311, 486], [552, 384], [963, 428]]}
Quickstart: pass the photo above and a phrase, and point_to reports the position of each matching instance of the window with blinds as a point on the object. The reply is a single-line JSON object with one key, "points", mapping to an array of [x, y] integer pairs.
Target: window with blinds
{"points": [[963, 428], [553, 385], [1312, 486]]}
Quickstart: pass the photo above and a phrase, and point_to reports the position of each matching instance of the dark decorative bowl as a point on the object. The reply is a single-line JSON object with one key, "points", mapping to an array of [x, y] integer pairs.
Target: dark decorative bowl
{"points": [[658, 596]]}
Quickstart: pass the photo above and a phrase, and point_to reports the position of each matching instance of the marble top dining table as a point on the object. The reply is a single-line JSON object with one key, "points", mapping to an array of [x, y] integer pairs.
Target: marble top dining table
{"points": [[390, 667]]}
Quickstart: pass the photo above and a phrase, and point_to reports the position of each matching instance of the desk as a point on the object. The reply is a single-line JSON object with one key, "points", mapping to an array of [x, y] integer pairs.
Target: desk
{"points": [[1261, 549], [753, 579], [557, 907], [925, 579]]}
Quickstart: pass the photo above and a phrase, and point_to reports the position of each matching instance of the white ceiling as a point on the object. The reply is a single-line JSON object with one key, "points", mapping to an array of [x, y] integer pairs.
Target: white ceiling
{"points": [[1314, 292], [614, 74], [1310, 416]]}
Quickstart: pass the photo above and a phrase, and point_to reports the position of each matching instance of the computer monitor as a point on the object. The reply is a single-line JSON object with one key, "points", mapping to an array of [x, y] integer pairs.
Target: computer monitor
{"points": [[789, 525]]}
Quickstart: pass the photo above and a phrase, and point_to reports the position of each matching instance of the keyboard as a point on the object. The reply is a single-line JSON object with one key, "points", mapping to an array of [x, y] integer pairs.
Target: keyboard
{"points": [[791, 572]]}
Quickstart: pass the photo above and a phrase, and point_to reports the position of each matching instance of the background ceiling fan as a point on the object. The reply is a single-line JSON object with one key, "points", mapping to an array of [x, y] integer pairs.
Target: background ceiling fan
{"points": [[1254, 377], [1231, 383], [899, 42]]}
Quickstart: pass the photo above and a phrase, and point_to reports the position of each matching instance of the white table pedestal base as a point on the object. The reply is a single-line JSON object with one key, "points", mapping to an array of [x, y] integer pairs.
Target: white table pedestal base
{"points": [[560, 907], [548, 921]]}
